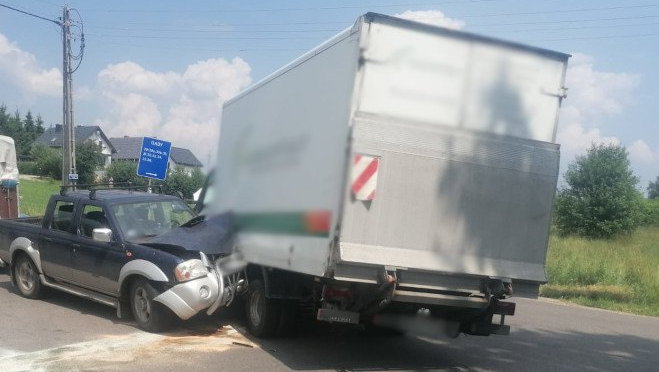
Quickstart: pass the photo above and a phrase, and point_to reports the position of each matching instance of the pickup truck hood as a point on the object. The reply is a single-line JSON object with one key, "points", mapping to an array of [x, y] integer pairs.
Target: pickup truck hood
{"points": [[213, 235]]}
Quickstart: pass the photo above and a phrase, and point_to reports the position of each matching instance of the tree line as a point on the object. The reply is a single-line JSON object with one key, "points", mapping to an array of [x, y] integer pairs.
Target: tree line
{"points": [[41, 160], [24, 131]]}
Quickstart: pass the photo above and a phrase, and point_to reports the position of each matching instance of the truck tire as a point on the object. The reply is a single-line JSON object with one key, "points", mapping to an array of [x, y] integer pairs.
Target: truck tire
{"points": [[263, 314], [150, 315], [27, 277]]}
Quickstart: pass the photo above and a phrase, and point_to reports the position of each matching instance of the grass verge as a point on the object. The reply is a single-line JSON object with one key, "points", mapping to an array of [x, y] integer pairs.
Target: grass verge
{"points": [[34, 194], [620, 274]]}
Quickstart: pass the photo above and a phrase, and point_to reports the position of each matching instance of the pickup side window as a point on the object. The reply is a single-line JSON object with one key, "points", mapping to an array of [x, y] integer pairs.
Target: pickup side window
{"points": [[62, 216], [92, 218]]}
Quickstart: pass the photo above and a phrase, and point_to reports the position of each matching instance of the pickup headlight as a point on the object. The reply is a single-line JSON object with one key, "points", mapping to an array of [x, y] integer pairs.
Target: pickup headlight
{"points": [[190, 269]]}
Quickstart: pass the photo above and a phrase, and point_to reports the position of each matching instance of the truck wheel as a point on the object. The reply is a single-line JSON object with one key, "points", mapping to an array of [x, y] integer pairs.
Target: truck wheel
{"points": [[27, 277], [262, 313], [150, 315]]}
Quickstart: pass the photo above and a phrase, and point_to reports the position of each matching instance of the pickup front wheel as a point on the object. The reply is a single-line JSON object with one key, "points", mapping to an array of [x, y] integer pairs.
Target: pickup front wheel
{"points": [[27, 277], [150, 315]]}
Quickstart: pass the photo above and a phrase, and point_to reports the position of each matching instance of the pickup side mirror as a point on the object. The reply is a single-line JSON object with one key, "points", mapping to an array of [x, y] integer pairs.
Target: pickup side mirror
{"points": [[102, 234]]}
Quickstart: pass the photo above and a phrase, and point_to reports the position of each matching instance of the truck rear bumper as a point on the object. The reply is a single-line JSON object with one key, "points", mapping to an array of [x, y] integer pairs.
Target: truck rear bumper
{"points": [[440, 299], [188, 298]]}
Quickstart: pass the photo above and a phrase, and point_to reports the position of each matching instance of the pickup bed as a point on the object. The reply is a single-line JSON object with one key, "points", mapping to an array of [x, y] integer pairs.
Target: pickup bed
{"points": [[125, 249]]}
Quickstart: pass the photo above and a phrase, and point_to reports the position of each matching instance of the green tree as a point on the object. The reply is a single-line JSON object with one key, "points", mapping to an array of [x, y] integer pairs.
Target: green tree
{"points": [[653, 189], [123, 171], [89, 159], [24, 132], [601, 199], [48, 161], [178, 180]]}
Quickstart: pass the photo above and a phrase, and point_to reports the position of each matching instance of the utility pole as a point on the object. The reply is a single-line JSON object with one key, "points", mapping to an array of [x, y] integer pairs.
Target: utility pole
{"points": [[68, 127]]}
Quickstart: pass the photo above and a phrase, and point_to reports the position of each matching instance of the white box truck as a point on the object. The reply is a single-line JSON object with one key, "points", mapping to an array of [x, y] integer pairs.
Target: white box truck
{"points": [[396, 167]]}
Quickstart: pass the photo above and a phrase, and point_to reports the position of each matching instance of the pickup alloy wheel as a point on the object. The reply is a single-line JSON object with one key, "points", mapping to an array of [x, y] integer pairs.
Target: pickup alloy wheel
{"points": [[27, 277], [149, 315]]}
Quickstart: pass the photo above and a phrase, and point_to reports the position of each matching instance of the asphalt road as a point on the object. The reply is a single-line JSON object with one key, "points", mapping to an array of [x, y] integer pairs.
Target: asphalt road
{"points": [[65, 333]]}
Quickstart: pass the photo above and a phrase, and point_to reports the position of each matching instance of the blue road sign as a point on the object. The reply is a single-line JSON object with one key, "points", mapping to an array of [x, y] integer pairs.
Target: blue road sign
{"points": [[154, 158]]}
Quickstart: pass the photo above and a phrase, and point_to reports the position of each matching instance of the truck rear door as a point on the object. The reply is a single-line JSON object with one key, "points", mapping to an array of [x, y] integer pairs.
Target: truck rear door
{"points": [[459, 130]]}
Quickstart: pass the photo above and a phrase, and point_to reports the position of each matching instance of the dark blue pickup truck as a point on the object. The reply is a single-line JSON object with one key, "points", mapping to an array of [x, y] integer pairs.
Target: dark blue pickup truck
{"points": [[142, 253]]}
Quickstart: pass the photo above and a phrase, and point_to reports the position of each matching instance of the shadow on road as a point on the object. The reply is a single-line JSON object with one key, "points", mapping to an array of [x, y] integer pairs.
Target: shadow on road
{"points": [[321, 346], [199, 323], [317, 349], [63, 299]]}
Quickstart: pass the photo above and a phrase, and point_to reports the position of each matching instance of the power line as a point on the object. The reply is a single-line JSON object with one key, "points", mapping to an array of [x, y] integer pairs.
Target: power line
{"points": [[214, 31], [245, 10], [31, 14], [584, 27], [600, 37], [561, 21], [168, 47], [346, 23], [205, 37], [559, 11]]}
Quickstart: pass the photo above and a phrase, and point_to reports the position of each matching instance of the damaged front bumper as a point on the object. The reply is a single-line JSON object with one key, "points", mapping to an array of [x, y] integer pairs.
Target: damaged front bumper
{"points": [[188, 298]]}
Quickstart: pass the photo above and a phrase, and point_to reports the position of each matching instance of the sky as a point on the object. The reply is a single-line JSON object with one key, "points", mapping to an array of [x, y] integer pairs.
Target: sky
{"points": [[163, 68]]}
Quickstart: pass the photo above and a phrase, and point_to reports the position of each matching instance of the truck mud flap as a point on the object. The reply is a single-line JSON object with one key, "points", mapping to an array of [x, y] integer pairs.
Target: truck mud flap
{"points": [[486, 326]]}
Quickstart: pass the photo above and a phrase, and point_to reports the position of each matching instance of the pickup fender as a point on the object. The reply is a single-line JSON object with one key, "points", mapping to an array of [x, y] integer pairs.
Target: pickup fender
{"points": [[25, 245], [143, 268]]}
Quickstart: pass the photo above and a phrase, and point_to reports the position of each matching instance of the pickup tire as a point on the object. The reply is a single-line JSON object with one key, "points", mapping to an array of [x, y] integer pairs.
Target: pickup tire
{"points": [[263, 314], [150, 315], [27, 277]]}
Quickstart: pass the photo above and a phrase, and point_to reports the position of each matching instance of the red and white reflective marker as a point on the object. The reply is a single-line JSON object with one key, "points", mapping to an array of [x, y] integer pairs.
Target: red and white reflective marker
{"points": [[364, 176]]}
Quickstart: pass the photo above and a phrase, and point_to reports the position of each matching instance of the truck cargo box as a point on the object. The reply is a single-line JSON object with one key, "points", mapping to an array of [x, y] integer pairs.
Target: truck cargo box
{"points": [[427, 151]]}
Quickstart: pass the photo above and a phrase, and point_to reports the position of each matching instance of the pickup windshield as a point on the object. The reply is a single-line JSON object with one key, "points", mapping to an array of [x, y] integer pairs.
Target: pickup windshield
{"points": [[147, 219]]}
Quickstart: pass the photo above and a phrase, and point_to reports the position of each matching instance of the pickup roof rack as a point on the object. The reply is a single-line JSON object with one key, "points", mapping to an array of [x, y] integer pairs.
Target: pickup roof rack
{"points": [[107, 186]]}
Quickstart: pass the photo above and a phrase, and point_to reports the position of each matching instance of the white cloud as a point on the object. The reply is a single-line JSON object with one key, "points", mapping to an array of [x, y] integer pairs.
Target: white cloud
{"points": [[595, 92], [184, 108], [129, 76], [640, 152], [592, 96], [21, 70], [432, 17]]}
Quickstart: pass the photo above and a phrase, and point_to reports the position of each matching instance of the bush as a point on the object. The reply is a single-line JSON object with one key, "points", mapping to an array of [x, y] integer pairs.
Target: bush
{"points": [[178, 180], [601, 199], [122, 171], [88, 159], [651, 212], [28, 167], [653, 189], [48, 161]]}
